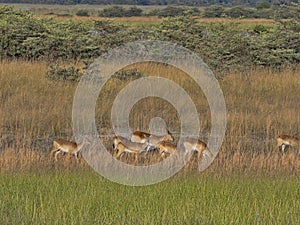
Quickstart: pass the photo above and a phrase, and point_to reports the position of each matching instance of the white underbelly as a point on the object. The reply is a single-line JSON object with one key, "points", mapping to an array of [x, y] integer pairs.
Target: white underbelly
{"points": [[130, 151]]}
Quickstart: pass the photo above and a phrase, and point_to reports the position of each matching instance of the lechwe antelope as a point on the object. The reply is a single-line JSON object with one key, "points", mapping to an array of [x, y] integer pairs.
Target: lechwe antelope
{"points": [[70, 147], [122, 145], [165, 147], [140, 137], [285, 140], [151, 139], [192, 145]]}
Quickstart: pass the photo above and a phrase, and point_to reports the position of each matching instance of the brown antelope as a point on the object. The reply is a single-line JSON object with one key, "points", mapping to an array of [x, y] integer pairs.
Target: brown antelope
{"points": [[286, 140], [193, 145], [165, 147], [70, 147], [151, 139], [122, 145], [140, 136], [129, 143]]}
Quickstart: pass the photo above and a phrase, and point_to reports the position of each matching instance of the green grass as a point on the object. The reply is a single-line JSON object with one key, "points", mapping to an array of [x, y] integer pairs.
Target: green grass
{"points": [[87, 198]]}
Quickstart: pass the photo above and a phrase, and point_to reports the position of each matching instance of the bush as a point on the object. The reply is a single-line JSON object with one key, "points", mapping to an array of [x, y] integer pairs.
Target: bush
{"points": [[264, 13], [263, 5], [223, 47], [118, 11], [288, 12], [153, 12], [134, 11], [239, 12], [259, 28], [58, 73], [171, 11], [114, 11], [82, 12], [195, 11], [124, 75], [213, 11]]}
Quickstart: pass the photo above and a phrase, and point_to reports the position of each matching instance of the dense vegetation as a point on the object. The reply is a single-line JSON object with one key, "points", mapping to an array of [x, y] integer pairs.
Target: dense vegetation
{"points": [[221, 45], [215, 11], [150, 2]]}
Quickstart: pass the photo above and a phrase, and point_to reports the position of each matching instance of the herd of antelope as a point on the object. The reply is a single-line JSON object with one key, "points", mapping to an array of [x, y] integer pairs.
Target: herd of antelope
{"points": [[141, 142]]}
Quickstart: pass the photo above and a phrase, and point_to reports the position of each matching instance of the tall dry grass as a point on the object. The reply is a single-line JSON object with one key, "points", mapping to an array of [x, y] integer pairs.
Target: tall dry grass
{"points": [[260, 105]]}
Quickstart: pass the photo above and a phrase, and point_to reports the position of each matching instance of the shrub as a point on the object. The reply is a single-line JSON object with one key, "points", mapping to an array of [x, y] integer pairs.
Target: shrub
{"points": [[131, 74], [82, 12], [263, 5], [213, 11], [58, 73], [264, 13], [134, 11], [118, 11], [259, 28], [195, 11], [239, 12], [171, 11], [114, 11], [288, 12]]}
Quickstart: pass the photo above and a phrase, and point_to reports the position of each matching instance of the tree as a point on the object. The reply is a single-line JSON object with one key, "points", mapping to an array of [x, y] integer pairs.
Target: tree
{"points": [[213, 11], [239, 11], [133, 11]]}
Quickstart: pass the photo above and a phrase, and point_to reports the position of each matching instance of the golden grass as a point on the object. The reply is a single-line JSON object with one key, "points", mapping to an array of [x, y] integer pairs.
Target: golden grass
{"points": [[260, 105]]}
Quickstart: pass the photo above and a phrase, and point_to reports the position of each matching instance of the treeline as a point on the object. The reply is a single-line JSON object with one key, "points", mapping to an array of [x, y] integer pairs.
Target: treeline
{"points": [[153, 2], [263, 10], [223, 46]]}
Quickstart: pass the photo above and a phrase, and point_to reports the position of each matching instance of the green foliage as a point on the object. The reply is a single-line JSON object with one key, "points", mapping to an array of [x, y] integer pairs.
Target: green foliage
{"points": [[58, 73], [171, 11], [134, 11], [118, 11], [222, 46], [288, 12], [239, 12], [82, 12], [277, 48], [251, 3], [25, 36], [19, 31], [264, 13], [214, 11], [263, 5], [114, 11], [131, 74], [259, 28]]}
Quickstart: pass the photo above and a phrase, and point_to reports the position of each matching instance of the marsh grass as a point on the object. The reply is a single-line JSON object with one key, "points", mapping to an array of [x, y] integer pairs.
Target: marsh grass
{"points": [[86, 198], [260, 105], [249, 182]]}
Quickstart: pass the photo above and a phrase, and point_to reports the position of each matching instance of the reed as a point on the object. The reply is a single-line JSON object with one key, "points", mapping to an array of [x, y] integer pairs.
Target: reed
{"points": [[260, 105]]}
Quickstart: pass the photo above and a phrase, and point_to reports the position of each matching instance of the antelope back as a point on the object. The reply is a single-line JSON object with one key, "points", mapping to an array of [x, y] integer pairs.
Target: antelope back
{"points": [[166, 146], [132, 145], [65, 144], [139, 136]]}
